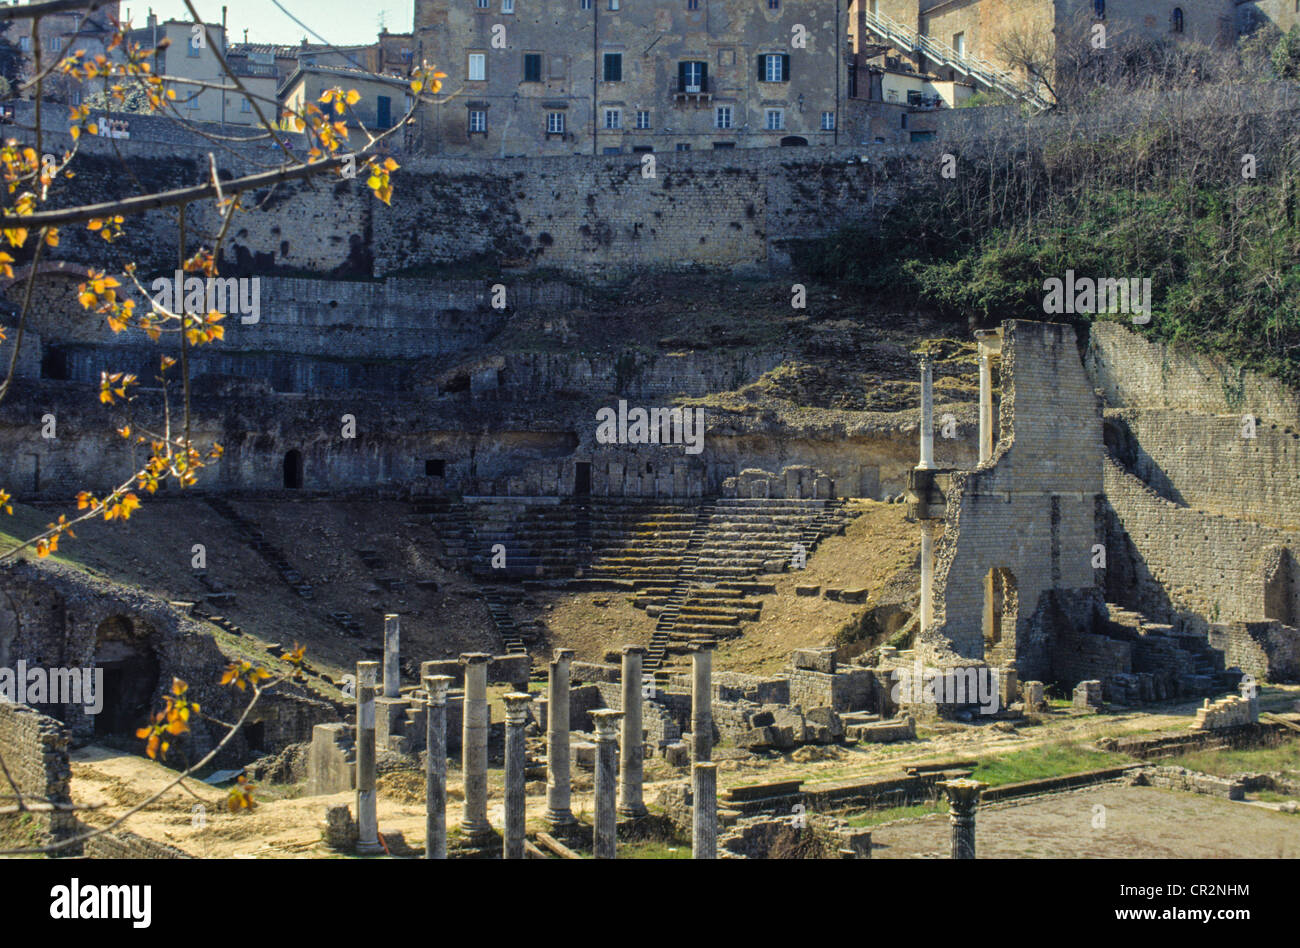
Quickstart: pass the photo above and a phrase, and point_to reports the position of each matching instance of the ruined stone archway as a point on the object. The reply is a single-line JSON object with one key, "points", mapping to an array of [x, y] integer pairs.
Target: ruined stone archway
{"points": [[130, 676], [1001, 610]]}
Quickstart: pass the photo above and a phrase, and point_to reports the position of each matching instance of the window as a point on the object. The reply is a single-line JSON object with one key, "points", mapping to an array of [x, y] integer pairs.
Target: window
{"points": [[722, 146], [853, 82], [482, 4], [613, 4], [613, 67], [828, 121], [774, 67], [1177, 21], [192, 47], [692, 76], [555, 123], [643, 118], [192, 103], [56, 43], [584, 4], [904, 120], [613, 119], [1099, 8], [774, 4], [611, 150], [723, 119], [245, 105], [683, 146], [532, 67], [692, 4], [507, 6], [25, 43], [477, 67], [477, 121], [959, 44], [774, 120], [384, 111]]}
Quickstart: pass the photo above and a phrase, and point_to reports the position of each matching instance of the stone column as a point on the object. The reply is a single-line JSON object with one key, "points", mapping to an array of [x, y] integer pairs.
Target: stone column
{"points": [[558, 814], [367, 816], [516, 804], [435, 766], [631, 761], [606, 783], [474, 746], [927, 416], [702, 701], [963, 800], [392, 656], [927, 574], [986, 405], [704, 838]]}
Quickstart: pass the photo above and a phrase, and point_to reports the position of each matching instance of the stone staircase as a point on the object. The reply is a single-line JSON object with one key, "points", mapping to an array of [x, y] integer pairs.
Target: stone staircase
{"points": [[978, 70], [752, 535], [510, 634], [451, 522], [1178, 663], [676, 595], [250, 531]]}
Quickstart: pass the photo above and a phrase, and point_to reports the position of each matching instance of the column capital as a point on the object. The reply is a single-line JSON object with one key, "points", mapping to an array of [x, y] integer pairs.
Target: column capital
{"points": [[475, 658], [705, 765], [706, 645], [517, 703], [634, 650], [436, 687], [963, 795], [367, 673], [607, 724], [390, 616], [563, 655]]}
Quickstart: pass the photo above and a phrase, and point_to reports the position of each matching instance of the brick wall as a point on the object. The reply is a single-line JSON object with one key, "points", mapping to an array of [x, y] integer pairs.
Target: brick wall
{"points": [[35, 751]]}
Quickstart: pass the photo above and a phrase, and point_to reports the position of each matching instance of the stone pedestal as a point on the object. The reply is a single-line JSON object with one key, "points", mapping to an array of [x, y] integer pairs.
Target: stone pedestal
{"points": [[704, 835], [558, 812], [702, 701], [606, 783], [367, 815], [474, 747], [435, 767], [516, 764], [963, 800], [392, 656], [632, 756]]}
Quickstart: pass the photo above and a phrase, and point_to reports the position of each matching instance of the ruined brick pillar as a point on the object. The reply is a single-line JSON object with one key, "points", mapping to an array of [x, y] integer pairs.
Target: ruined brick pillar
{"points": [[516, 761], [631, 761], [702, 701], [435, 766], [367, 815], [558, 814], [392, 656], [988, 343], [963, 800], [927, 416], [704, 835], [474, 746], [606, 783]]}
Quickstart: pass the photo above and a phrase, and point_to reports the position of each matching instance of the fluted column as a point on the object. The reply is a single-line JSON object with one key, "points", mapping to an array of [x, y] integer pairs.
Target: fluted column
{"points": [[632, 757], [516, 814], [606, 783], [474, 746], [702, 701], [367, 814], [927, 416], [558, 791], [435, 766], [704, 835], [963, 800], [392, 656]]}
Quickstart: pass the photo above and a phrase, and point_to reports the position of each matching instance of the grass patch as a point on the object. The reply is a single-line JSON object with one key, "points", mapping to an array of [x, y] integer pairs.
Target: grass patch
{"points": [[655, 849], [1048, 760], [916, 810], [1225, 763]]}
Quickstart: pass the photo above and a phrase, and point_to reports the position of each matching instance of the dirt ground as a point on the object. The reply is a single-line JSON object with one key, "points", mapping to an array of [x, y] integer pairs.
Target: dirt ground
{"points": [[1135, 823]]}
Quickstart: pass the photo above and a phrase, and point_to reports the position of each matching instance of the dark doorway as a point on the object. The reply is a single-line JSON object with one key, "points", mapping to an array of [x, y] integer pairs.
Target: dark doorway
{"points": [[384, 112], [293, 469], [130, 678], [582, 479], [54, 364], [255, 735], [435, 467]]}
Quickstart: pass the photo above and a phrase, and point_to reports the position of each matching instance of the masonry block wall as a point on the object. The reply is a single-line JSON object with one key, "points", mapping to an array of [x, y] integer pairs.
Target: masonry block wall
{"points": [[1032, 508], [35, 751], [1266, 650], [1202, 523]]}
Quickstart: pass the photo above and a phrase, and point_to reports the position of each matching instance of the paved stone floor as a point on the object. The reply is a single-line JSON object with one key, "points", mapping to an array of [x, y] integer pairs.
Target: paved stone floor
{"points": [[1138, 822]]}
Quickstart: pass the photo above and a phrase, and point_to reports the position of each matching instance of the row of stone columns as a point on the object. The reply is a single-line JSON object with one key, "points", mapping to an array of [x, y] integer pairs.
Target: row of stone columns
{"points": [[624, 783]]}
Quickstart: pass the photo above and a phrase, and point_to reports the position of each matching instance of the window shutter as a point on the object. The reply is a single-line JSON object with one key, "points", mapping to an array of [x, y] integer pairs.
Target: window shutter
{"points": [[761, 74], [704, 77], [681, 77], [785, 67]]}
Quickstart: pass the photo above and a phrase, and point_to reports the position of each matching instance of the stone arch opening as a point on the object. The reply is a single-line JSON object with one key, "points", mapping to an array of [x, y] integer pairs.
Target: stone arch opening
{"points": [[293, 469], [1279, 589], [1001, 606], [130, 668]]}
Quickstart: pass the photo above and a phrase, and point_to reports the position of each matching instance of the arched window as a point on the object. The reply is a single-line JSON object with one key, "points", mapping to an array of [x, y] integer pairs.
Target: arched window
{"points": [[293, 469], [1177, 24]]}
